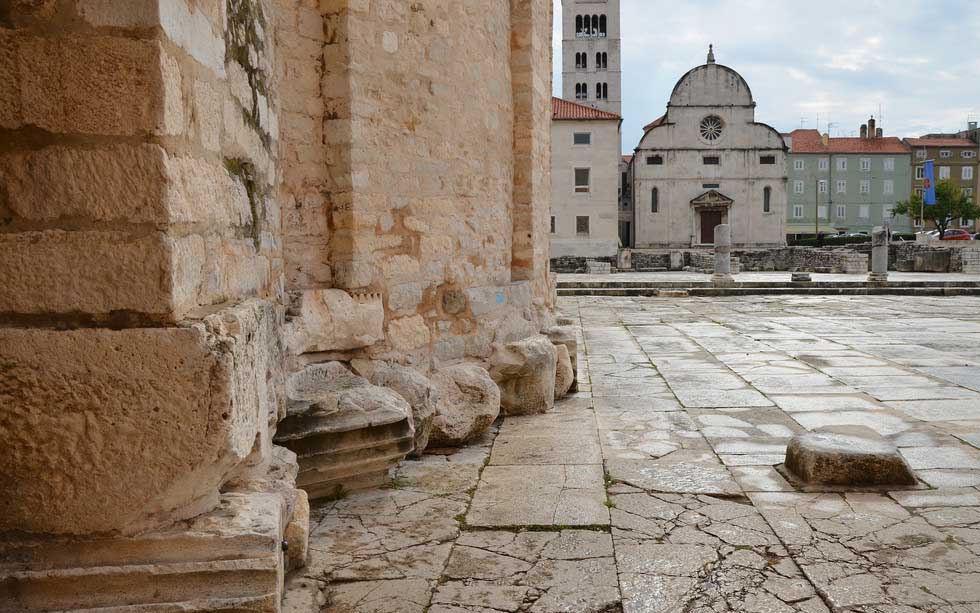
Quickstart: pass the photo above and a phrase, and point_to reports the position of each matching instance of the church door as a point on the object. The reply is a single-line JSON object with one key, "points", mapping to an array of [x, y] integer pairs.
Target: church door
{"points": [[709, 219]]}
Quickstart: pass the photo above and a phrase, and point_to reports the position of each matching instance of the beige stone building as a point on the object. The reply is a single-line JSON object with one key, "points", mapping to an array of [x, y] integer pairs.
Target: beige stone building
{"points": [[232, 232], [584, 180], [706, 162]]}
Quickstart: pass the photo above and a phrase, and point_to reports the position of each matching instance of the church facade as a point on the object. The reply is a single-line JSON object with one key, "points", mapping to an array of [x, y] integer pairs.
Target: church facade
{"points": [[706, 162]]}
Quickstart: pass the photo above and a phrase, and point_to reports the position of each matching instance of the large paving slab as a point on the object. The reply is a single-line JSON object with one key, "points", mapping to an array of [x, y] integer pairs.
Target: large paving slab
{"points": [[659, 486]]}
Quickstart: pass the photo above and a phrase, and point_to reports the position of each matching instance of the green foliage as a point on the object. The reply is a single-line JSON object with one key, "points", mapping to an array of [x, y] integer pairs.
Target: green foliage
{"points": [[951, 204]]}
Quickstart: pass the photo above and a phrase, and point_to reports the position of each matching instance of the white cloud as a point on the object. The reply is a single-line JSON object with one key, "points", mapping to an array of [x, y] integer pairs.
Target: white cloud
{"points": [[837, 59]]}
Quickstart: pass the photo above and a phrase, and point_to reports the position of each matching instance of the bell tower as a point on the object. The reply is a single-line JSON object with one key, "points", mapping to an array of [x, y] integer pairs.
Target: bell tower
{"points": [[591, 54]]}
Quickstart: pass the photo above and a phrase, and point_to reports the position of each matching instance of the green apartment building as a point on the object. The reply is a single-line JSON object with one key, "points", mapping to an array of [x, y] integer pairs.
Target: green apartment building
{"points": [[850, 184]]}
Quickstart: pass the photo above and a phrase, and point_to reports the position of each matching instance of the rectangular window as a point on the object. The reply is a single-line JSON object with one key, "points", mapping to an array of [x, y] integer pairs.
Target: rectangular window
{"points": [[798, 165], [582, 225], [710, 185], [969, 154], [822, 186], [841, 163], [841, 186], [824, 163], [841, 211], [655, 160], [712, 160], [965, 223], [582, 138], [655, 200], [888, 187], [582, 180], [967, 173], [767, 159], [553, 224], [920, 172], [944, 172], [919, 191], [968, 191], [865, 164], [945, 154], [864, 211], [798, 211], [886, 212], [889, 164], [797, 187], [822, 211], [920, 154], [865, 187]]}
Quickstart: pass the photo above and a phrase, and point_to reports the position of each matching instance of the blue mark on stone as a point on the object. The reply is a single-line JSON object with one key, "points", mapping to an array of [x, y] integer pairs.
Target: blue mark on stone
{"points": [[500, 298]]}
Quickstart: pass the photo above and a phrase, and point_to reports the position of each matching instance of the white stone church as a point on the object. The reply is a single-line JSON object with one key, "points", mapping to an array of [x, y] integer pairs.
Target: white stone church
{"points": [[707, 161]]}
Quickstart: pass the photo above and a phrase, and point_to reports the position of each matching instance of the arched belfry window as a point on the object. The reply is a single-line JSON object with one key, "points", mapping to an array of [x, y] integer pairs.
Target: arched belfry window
{"points": [[578, 24], [598, 91], [585, 61], [602, 25], [595, 25], [766, 199], [654, 200], [605, 91], [598, 61]]}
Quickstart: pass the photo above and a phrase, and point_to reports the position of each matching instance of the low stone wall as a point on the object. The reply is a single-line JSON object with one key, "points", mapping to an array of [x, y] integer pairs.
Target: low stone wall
{"points": [[577, 264]]}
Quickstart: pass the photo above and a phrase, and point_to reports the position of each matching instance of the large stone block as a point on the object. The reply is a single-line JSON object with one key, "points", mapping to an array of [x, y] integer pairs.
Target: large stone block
{"points": [[847, 456], [89, 272], [229, 559], [564, 373], [525, 372], [332, 320], [469, 402], [91, 85], [121, 183], [564, 334], [127, 430]]}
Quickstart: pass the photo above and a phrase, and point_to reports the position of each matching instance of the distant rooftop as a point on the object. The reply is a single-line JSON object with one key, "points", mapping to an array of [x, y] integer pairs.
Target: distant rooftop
{"points": [[564, 109], [940, 142], [811, 141]]}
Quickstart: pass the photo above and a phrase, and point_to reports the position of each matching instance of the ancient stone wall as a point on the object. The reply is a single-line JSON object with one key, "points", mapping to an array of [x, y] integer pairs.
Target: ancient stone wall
{"points": [[199, 199]]}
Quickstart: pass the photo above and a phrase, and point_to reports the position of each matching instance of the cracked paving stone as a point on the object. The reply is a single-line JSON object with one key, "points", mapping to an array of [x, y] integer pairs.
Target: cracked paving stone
{"points": [[559, 495], [686, 471]]}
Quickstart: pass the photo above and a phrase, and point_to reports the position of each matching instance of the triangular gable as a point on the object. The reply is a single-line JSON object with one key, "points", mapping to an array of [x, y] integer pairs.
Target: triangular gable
{"points": [[712, 198]]}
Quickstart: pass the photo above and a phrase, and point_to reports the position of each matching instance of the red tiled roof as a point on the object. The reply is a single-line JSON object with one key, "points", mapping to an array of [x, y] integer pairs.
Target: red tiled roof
{"points": [[940, 142], [656, 122], [810, 141], [563, 109]]}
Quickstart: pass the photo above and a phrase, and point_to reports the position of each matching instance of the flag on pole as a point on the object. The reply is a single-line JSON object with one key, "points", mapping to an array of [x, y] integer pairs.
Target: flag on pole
{"points": [[929, 184]]}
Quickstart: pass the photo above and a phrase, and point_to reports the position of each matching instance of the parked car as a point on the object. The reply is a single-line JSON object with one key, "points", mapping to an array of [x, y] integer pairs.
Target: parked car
{"points": [[957, 235]]}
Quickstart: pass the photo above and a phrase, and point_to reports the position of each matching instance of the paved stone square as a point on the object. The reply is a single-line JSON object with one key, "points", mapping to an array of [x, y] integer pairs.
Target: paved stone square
{"points": [[659, 486]]}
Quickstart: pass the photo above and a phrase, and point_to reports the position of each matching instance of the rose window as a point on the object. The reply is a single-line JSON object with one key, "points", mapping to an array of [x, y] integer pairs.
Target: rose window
{"points": [[711, 127]]}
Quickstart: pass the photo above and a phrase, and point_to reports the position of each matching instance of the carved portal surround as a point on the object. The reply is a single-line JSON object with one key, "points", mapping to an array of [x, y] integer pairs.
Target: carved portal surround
{"points": [[708, 210]]}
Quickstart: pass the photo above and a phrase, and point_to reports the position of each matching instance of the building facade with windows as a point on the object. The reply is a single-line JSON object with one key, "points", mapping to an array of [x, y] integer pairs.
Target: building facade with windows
{"points": [[706, 162], [955, 158], [591, 54], [626, 201], [585, 180], [846, 185]]}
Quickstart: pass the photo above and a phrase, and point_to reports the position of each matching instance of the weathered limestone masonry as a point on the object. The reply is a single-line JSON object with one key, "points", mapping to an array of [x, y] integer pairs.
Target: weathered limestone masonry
{"points": [[228, 221]]}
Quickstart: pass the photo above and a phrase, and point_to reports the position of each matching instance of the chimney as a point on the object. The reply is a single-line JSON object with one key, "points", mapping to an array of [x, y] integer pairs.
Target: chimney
{"points": [[825, 139], [871, 127], [878, 133], [864, 130]]}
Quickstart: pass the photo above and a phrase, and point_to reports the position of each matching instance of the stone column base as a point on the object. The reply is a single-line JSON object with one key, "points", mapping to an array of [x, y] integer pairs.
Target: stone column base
{"points": [[229, 559], [877, 278], [722, 280]]}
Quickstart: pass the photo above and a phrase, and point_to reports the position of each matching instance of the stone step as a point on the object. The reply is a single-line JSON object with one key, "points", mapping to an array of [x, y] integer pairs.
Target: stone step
{"points": [[227, 560], [813, 290]]}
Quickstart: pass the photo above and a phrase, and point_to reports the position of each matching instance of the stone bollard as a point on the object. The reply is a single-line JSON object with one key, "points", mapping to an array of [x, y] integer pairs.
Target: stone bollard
{"points": [[723, 256], [624, 260], [879, 256]]}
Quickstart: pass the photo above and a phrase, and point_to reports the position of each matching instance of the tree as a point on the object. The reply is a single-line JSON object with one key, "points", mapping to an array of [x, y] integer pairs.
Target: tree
{"points": [[951, 203]]}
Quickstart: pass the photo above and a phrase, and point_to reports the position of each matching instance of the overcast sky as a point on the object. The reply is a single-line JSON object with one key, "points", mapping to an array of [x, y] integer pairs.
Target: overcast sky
{"points": [[833, 59]]}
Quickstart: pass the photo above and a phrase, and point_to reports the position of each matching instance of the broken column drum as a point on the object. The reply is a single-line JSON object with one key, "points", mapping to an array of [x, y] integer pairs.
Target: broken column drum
{"points": [[879, 256], [723, 255]]}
